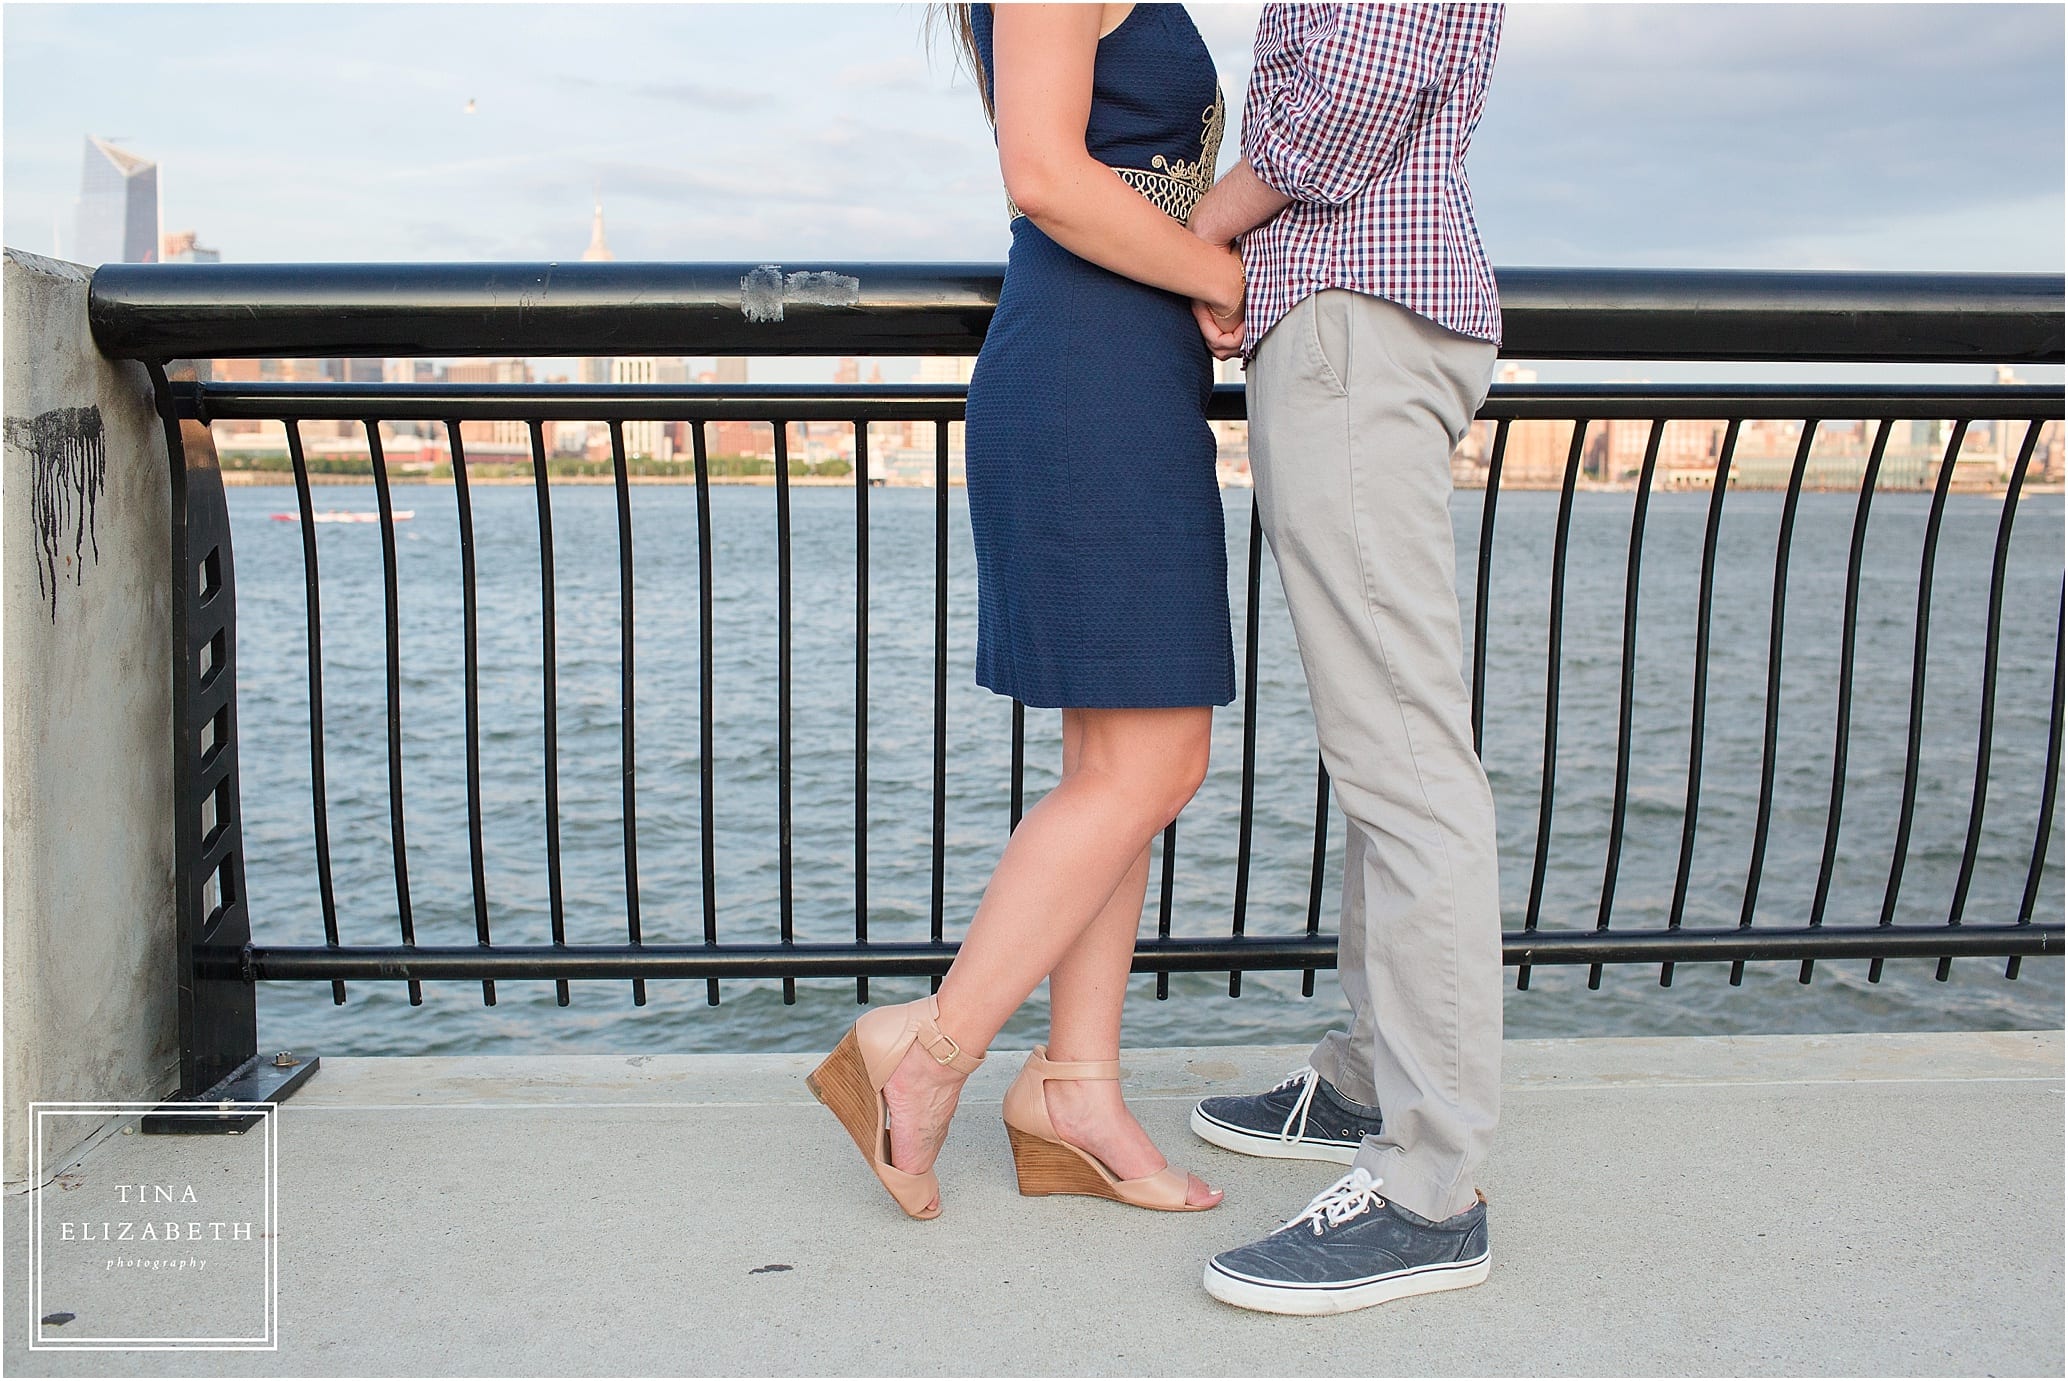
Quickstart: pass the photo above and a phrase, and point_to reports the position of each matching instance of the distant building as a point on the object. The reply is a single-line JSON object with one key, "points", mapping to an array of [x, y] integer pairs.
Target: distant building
{"points": [[945, 369], [179, 247], [118, 207], [506, 438], [755, 440], [488, 372], [409, 371], [599, 248], [645, 438], [595, 371], [729, 369]]}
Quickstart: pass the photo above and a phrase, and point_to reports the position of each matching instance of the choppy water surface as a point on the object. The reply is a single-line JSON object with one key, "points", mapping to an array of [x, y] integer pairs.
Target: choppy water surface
{"points": [[378, 1020]]}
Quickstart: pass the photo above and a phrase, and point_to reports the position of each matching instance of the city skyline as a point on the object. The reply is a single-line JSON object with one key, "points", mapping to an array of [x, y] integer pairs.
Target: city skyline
{"points": [[1535, 455], [1796, 136]]}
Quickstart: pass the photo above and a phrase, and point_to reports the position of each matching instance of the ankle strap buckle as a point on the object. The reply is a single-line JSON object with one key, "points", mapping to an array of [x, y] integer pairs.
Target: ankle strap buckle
{"points": [[954, 1050]]}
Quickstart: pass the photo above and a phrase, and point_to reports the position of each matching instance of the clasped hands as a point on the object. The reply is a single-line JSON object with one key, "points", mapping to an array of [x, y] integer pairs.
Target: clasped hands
{"points": [[1223, 334], [1222, 329]]}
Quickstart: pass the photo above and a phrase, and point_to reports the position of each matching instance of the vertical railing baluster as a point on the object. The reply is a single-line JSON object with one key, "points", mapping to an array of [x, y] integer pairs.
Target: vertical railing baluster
{"points": [[1483, 588], [470, 628], [1017, 808], [1245, 826], [627, 759], [785, 880], [1920, 648], [1626, 695], [1992, 646], [940, 685], [1719, 482], [1314, 878], [1767, 760], [549, 646], [392, 625], [319, 793], [1841, 736], [2047, 791], [707, 814], [1553, 654], [861, 696], [1165, 896]]}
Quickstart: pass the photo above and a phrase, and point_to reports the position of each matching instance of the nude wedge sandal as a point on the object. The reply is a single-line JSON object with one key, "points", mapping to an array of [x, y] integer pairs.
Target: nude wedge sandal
{"points": [[850, 1083], [1047, 1164]]}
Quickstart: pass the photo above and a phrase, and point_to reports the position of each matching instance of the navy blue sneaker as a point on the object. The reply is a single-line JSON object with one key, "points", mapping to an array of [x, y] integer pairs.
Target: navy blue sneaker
{"points": [[1300, 1118], [1349, 1250]]}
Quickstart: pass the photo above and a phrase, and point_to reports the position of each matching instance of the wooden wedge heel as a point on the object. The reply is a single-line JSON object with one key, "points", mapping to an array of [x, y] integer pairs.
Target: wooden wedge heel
{"points": [[850, 1083], [1047, 1164]]}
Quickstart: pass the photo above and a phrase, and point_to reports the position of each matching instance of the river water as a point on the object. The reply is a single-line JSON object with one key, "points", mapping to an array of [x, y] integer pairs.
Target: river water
{"points": [[377, 1019]]}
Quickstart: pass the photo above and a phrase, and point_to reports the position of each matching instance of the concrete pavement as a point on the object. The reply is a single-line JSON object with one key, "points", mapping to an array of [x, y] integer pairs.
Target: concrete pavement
{"points": [[1873, 1204]]}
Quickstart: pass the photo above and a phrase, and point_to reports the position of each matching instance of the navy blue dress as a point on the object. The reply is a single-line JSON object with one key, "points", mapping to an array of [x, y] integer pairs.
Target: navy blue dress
{"points": [[1102, 568]]}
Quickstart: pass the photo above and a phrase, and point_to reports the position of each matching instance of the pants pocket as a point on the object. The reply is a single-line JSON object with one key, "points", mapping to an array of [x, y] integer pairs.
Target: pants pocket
{"points": [[1328, 337]]}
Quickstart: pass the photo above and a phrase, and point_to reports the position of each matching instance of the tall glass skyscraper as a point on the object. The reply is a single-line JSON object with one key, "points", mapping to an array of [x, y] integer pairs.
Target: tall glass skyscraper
{"points": [[118, 207]]}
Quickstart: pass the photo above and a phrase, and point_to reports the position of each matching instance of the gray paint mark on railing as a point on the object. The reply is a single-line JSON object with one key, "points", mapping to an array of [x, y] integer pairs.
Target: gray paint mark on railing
{"points": [[68, 468], [766, 291]]}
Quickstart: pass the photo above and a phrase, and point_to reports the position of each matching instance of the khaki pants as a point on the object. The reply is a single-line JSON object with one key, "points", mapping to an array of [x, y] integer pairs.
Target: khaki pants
{"points": [[1355, 405]]}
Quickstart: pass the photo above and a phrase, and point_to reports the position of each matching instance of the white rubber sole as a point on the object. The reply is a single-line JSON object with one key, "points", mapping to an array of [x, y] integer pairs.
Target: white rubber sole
{"points": [[1341, 1299], [1277, 1148]]}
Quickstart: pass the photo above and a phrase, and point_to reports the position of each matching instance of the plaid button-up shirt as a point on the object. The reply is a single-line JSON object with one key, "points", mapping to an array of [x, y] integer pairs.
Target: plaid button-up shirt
{"points": [[1362, 115]]}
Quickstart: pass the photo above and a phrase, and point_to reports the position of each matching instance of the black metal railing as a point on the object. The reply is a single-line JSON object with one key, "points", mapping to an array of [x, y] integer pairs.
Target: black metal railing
{"points": [[165, 312]]}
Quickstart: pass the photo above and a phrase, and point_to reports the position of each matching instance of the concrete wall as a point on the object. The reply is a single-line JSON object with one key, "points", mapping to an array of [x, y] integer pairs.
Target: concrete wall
{"points": [[85, 615]]}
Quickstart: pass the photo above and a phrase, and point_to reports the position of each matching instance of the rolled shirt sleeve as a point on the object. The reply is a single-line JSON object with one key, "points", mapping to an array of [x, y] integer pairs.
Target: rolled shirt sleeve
{"points": [[1333, 89]]}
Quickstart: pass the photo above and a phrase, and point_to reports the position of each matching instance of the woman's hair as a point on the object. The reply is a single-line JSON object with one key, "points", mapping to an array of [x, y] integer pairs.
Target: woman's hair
{"points": [[955, 19]]}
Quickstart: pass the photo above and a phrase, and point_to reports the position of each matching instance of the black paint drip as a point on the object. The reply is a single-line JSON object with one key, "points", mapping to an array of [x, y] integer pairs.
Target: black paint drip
{"points": [[69, 460]]}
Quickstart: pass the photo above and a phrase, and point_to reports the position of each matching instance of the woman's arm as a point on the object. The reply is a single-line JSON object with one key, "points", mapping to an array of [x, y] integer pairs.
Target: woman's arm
{"points": [[1041, 60]]}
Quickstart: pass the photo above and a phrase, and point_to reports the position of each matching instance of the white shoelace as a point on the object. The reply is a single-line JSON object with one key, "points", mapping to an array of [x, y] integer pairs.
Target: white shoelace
{"points": [[1311, 1080], [1341, 1201]]}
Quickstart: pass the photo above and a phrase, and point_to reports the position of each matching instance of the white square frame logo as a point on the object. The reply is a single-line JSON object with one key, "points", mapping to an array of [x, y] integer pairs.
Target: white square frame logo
{"points": [[268, 1339]]}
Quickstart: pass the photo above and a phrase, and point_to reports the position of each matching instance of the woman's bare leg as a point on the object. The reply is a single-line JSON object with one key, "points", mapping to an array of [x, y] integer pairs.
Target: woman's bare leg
{"points": [[1086, 990], [1133, 771]]}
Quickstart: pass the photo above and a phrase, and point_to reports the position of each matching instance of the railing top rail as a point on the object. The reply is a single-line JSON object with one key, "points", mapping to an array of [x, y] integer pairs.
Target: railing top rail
{"points": [[189, 311]]}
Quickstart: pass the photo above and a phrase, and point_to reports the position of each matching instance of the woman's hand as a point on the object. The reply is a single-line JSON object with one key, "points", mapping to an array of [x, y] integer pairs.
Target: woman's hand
{"points": [[1223, 334], [1220, 316]]}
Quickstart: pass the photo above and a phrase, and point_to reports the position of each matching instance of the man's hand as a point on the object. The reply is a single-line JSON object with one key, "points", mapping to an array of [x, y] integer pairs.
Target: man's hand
{"points": [[1239, 203], [1223, 334]]}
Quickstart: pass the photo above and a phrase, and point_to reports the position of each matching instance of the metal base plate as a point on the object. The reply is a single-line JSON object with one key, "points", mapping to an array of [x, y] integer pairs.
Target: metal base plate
{"points": [[261, 1081]]}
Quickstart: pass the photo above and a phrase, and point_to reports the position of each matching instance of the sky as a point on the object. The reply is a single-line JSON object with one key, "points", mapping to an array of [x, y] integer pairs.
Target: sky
{"points": [[1908, 136]]}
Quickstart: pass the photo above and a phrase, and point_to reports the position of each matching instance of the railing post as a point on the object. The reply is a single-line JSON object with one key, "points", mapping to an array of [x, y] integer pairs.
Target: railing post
{"points": [[218, 1013]]}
